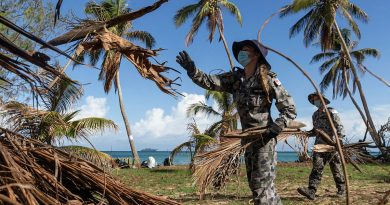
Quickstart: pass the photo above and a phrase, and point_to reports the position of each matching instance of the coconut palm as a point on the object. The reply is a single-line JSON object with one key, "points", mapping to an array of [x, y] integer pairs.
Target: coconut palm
{"points": [[198, 143], [53, 121], [103, 11], [335, 62], [226, 111], [210, 11], [320, 22]]}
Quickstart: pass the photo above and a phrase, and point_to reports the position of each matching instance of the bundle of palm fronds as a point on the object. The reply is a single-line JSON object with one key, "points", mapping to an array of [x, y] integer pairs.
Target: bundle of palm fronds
{"points": [[354, 153], [35, 173], [215, 167]]}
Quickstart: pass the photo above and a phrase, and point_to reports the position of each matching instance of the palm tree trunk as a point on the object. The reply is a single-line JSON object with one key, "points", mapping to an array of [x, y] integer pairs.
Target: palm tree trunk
{"points": [[371, 127], [226, 48], [338, 145], [137, 161]]}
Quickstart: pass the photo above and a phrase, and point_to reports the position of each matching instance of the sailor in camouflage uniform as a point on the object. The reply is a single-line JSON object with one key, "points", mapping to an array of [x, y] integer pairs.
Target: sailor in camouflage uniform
{"points": [[253, 89], [320, 121]]}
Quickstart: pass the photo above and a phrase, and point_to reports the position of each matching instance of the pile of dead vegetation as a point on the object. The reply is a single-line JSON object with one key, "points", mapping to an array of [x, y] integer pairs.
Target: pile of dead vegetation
{"points": [[35, 173]]}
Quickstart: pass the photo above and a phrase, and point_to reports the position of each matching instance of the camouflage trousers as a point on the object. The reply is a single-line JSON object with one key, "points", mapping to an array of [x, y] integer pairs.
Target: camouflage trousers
{"points": [[319, 161], [260, 161]]}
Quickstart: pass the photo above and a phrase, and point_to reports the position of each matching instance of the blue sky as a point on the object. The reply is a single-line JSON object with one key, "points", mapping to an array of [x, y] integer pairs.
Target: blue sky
{"points": [[158, 120]]}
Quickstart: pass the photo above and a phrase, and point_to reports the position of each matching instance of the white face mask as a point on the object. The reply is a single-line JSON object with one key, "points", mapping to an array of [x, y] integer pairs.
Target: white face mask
{"points": [[243, 58], [317, 103]]}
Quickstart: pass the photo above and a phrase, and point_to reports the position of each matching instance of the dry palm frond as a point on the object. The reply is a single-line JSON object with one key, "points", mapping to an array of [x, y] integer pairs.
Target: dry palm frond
{"points": [[138, 56], [215, 167], [354, 152], [81, 31], [35, 173]]}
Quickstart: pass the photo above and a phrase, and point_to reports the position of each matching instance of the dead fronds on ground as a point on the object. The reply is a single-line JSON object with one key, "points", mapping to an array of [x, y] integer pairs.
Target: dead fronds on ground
{"points": [[35, 173]]}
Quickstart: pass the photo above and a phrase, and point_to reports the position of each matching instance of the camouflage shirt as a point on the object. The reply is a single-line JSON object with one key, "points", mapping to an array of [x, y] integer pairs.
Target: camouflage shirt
{"points": [[249, 96], [320, 121]]}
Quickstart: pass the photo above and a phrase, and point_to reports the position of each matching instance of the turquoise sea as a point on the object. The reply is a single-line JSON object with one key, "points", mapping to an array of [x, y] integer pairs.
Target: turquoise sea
{"points": [[183, 158]]}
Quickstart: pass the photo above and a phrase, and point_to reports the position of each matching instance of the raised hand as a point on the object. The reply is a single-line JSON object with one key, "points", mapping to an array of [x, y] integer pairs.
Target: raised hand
{"points": [[185, 61]]}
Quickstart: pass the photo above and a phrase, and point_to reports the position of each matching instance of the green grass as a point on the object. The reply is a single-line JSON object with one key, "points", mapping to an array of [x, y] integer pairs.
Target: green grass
{"points": [[175, 182]]}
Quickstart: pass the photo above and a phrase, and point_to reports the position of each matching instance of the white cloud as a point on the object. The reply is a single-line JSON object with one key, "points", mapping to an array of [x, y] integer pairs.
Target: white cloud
{"points": [[94, 107], [353, 122], [170, 127]]}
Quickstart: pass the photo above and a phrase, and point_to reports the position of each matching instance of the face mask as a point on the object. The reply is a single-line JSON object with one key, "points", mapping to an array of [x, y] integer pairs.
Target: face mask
{"points": [[318, 103], [243, 58]]}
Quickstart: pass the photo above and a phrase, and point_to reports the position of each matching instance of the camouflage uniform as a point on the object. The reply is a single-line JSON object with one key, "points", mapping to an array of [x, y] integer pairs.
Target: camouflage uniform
{"points": [[254, 110], [320, 121]]}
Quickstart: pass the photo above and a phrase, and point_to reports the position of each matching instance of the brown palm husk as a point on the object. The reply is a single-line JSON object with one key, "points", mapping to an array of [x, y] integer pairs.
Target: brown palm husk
{"points": [[137, 55], [35, 173], [216, 167]]}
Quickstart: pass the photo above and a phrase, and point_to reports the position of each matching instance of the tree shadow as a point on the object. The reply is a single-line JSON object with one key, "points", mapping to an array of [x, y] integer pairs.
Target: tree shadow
{"points": [[164, 170], [212, 197]]}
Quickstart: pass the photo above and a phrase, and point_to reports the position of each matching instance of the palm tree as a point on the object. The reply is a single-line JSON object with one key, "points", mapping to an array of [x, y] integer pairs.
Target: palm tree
{"points": [[226, 111], [210, 11], [106, 10], [336, 61], [198, 143], [320, 22], [53, 121]]}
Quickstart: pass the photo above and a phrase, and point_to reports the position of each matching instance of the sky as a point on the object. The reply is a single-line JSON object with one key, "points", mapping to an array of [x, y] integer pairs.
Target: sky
{"points": [[159, 120]]}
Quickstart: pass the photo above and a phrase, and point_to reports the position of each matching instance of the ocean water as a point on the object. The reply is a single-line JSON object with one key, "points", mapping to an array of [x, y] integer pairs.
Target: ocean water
{"points": [[183, 158]]}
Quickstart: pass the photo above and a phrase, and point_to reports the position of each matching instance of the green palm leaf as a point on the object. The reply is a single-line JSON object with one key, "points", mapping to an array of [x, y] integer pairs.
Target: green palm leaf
{"points": [[182, 15], [180, 148], [142, 36], [233, 10], [201, 107]]}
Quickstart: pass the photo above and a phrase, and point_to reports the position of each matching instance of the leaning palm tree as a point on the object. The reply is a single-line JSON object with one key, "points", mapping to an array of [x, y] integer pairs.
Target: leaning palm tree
{"points": [[226, 111], [320, 22], [210, 11], [104, 11]]}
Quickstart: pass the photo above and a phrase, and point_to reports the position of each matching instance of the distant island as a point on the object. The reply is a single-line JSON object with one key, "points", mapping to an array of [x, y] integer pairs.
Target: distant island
{"points": [[148, 150]]}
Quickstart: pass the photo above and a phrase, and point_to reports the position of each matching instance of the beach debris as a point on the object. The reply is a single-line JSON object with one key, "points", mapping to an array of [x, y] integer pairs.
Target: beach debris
{"points": [[37, 173]]}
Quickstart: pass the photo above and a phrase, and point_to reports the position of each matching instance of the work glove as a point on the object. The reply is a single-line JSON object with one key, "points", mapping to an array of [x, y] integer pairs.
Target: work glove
{"points": [[275, 129], [185, 61]]}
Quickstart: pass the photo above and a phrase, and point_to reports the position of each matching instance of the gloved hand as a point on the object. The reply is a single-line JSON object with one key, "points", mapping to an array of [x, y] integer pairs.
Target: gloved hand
{"points": [[185, 61], [274, 129]]}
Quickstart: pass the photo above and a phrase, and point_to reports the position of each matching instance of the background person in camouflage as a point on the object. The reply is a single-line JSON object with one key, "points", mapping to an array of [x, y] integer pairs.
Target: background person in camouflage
{"points": [[253, 89], [320, 121]]}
